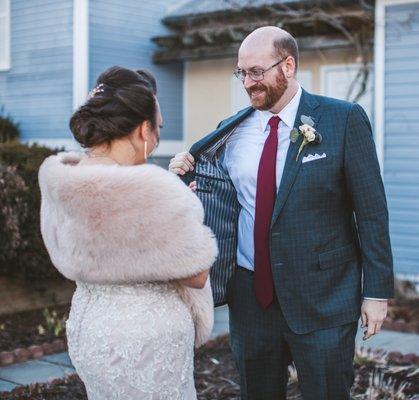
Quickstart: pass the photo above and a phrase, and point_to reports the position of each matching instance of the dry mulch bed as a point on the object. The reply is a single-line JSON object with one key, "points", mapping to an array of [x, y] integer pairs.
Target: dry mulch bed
{"points": [[20, 338], [21, 329], [403, 316], [217, 379]]}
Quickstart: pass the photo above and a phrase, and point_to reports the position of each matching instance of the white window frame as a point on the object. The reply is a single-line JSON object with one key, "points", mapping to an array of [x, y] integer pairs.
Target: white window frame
{"points": [[327, 68], [5, 14]]}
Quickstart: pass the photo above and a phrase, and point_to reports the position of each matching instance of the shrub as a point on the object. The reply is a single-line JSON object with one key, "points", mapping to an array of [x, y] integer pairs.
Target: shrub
{"points": [[13, 212], [9, 130], [31, 260]]}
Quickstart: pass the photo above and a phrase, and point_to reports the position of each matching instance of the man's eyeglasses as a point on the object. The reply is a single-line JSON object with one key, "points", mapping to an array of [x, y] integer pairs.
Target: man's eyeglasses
{"points": [[256, 74]]}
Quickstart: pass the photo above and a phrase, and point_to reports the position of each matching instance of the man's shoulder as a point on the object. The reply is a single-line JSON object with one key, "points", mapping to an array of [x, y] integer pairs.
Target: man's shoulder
{"points": [[330, 102], [336, 110]]}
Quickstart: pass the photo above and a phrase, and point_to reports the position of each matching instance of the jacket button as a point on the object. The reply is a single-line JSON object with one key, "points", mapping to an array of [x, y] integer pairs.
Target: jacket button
{"points": [[208, 182]]}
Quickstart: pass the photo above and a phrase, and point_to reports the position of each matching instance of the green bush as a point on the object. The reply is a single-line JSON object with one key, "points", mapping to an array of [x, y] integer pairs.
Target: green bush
{"points": [[13, 212], [30, 260], [9, 130]]}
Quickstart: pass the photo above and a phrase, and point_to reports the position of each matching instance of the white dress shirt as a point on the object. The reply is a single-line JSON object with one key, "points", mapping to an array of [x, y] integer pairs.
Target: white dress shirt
{"points": [[241, 158]]}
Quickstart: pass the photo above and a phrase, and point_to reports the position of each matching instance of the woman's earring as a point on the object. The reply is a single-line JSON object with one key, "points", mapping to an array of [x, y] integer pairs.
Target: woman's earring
{"points": [[145, 150]]}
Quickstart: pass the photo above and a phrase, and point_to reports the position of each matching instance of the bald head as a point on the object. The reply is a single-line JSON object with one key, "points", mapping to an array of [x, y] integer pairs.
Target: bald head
{"points": [[270, 41]]}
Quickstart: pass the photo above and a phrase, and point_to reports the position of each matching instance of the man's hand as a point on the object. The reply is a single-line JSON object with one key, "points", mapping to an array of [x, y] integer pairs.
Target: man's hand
{"points": [[182, 163], [193, 186], [373, 313]]}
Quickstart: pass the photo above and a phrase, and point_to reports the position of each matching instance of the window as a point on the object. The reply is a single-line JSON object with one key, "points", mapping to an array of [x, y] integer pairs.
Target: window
{"points": [[4, 35], [337, 81]]}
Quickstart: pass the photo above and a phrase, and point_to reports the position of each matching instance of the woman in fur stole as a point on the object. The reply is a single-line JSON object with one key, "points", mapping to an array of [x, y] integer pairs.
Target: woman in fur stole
{"points": [[132, 236]]}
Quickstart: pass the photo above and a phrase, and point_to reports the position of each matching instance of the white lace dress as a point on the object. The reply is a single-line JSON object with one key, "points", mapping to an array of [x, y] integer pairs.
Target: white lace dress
{"points": [[132, 342], [108, 227]]}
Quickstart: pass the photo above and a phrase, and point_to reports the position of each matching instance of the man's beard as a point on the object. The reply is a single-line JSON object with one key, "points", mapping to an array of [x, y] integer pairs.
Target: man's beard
{"points": [[272, 94]]}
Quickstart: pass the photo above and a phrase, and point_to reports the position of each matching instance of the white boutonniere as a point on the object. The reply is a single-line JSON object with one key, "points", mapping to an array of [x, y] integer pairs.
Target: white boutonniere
{"points": [[310, 135]]}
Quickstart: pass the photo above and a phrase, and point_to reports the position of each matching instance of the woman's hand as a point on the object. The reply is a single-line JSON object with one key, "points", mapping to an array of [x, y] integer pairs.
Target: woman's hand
{"points": [[197, 281]]}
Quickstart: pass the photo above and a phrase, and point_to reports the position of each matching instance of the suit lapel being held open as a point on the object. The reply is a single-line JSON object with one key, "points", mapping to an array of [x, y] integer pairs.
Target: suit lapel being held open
{"points": [[308, 106]]}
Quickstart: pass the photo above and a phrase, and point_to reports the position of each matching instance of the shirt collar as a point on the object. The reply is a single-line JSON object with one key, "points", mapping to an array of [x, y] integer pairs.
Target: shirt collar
{"points": [[287, 114]]}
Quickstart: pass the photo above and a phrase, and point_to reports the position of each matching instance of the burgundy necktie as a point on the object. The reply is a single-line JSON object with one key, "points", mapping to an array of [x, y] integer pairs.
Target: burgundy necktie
{"points": [[265, 200]]}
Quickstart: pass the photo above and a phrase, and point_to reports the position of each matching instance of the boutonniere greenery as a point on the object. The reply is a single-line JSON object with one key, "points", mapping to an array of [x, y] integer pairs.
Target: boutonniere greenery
{"points": [[310, 135]]}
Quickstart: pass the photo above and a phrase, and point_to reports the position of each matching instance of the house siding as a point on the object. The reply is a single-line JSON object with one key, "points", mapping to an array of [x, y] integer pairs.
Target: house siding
{"points": [[401, 126], [36, 91], [120, 34]]}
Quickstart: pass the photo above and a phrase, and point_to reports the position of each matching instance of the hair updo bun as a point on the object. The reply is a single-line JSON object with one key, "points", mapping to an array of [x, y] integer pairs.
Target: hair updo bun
{"points": [[121, 100]]}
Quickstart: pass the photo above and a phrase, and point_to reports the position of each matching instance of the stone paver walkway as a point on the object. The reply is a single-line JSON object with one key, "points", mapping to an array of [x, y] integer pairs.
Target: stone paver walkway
{"points": [[59, 365], [44, 369]]}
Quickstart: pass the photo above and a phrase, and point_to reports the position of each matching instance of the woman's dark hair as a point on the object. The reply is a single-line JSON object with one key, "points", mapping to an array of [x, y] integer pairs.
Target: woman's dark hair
{"points": [[120, 101]]}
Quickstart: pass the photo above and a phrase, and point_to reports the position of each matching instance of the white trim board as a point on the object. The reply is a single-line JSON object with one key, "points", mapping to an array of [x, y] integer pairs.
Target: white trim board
{"points": [[80, 52], [167, 148], [6, 16], [379, 71], [396, 2]]}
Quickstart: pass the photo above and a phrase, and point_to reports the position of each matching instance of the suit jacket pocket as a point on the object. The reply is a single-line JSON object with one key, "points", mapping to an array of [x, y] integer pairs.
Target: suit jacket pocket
{"points": [[317, 163], [206, 182], [338, 256]]}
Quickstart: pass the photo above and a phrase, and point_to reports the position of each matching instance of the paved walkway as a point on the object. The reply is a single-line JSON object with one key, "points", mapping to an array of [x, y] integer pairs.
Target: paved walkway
{"points": [[41, 370], [59, 365]]}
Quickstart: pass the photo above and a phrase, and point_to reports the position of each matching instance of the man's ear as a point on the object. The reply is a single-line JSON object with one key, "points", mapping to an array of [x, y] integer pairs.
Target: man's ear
{"points": [[290, 67]]}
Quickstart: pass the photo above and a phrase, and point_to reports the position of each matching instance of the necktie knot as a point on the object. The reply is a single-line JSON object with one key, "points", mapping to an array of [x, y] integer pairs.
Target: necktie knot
{"points": [[274, 122]]}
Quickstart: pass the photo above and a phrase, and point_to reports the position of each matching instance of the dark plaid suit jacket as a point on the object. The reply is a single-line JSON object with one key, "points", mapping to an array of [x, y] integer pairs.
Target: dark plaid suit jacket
{"points": [[329, 233]]}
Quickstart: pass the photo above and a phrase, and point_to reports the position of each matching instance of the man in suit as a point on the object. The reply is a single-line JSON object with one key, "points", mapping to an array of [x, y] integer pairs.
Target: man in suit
{"points": [[302, 226]]}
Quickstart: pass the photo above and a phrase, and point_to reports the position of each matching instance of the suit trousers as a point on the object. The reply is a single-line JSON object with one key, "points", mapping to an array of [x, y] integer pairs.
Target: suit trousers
{"points": [[263, 346]]}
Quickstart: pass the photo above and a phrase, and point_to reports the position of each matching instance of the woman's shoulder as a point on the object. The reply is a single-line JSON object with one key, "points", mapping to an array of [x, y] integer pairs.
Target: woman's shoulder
{"points": [[113, 186]]}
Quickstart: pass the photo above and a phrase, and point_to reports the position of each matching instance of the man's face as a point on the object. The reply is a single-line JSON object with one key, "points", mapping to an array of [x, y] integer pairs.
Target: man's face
{"points": [[266, 93]]}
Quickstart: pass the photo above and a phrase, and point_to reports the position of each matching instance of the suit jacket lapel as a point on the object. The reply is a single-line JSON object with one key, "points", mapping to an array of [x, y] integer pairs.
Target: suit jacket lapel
{"points": [[226, 126], [308, 105]]}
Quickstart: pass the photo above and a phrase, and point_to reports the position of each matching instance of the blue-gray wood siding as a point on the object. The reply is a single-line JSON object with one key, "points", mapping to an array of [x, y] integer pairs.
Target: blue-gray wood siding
{"points": [[120, 33], [401, 151], [37, 89]]}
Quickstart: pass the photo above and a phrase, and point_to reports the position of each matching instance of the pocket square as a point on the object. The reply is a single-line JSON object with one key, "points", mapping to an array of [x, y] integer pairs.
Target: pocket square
{"points": [[312, 157]]}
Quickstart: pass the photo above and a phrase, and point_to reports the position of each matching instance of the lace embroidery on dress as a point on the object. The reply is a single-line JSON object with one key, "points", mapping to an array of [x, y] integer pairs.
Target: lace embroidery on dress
{"points": [[132, 342]]}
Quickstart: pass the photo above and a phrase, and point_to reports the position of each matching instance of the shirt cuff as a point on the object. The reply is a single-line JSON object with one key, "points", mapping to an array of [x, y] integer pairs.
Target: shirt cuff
{"points": [[373, 298]]}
